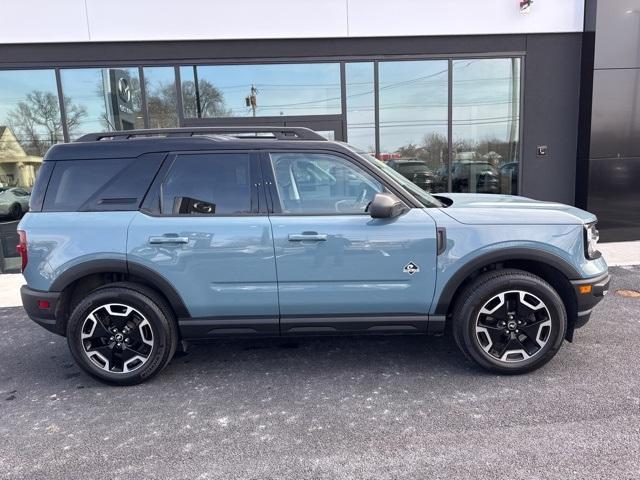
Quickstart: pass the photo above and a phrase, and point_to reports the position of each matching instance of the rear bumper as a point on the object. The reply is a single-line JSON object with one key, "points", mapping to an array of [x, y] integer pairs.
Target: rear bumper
{"points": [[587, 300], [45, 317]]}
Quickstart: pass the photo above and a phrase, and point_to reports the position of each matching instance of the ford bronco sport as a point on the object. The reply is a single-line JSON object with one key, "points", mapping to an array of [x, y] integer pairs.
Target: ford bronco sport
{"points": [[138, 241]]}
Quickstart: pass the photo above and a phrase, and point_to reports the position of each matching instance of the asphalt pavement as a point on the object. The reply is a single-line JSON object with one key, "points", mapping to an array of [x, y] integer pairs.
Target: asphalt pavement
{"points": [[328, 408]]}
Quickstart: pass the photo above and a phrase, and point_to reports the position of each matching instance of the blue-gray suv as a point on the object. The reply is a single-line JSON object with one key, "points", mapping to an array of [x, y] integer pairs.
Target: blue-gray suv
{"points": [[137, 242]]}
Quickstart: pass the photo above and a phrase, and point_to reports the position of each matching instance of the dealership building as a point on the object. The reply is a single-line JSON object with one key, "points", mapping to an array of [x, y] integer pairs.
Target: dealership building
{"points": [[540, 99]]}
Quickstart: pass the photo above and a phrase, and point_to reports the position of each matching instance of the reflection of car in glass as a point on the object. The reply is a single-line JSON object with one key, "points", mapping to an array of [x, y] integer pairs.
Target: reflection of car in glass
{"points": [[509, 178], [415, 170], [475, 177], [14, 202], [175, 237]]}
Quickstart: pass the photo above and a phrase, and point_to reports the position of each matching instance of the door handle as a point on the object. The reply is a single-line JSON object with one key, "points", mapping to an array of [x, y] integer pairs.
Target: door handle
{"points": [[168, 239], [308, 237]]}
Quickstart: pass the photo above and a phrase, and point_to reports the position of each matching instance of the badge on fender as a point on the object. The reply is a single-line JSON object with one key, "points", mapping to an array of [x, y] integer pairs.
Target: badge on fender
{"points": [[411, 268]]}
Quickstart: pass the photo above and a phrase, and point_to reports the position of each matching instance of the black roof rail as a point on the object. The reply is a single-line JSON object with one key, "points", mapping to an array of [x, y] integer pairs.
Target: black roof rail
{"points": [[279, 133]]}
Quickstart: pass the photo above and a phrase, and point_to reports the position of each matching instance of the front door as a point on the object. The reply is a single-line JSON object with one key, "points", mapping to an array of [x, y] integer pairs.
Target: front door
{"points": [[338, 268], [206, 231]]}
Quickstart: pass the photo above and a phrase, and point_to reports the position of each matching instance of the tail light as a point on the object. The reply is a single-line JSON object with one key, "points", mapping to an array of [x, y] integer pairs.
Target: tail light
{"points": [[22, 248]]}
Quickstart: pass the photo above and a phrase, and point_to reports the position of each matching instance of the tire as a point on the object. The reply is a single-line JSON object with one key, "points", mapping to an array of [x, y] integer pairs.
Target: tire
{"points": [[16, 211], [489, 336], [143, 342]]}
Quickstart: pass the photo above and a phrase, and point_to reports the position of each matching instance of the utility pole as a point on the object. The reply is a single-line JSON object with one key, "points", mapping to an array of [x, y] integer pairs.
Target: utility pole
{"points": [[251, 100]]}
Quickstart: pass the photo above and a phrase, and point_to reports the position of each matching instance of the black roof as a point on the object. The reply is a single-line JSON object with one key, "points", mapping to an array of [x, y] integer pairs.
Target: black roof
{"points": [[133, 143]]}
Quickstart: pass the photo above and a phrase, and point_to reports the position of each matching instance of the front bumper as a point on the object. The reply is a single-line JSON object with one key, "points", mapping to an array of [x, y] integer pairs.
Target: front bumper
{"points": [[589, 292], [45, 317]]}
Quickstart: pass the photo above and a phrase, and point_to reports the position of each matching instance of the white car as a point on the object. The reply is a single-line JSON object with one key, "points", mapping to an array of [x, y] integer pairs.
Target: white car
{"points": [[14, 202]]}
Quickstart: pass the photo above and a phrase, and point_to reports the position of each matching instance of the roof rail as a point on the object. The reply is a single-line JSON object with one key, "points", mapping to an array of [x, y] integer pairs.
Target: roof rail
{"points": [[279, 133]]}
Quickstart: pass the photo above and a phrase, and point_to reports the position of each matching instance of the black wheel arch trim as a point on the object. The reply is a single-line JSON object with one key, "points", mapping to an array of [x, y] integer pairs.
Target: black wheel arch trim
{"points": [[150, 277], [503, 255]]}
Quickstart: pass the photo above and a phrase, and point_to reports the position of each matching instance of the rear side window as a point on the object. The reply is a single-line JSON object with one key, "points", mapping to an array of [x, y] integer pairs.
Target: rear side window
{"points": [[100, 185], [42, 180], [208, 184]]}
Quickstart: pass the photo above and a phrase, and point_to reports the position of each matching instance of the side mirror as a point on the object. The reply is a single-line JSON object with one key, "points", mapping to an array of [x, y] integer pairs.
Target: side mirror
{"points": [[385, 205]]}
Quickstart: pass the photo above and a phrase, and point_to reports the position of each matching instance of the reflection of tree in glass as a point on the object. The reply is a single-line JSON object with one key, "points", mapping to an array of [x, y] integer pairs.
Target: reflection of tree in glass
{"points": [[36, 120], [211, 100], [162, 104]]}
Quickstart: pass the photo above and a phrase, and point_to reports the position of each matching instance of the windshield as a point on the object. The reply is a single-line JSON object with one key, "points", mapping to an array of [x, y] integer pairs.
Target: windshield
{"points": [[422, 196]]}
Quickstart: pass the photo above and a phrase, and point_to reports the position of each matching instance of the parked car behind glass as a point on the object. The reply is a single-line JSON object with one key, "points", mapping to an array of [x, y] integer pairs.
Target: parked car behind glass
{"points": [[14, 202], [415, 170]]}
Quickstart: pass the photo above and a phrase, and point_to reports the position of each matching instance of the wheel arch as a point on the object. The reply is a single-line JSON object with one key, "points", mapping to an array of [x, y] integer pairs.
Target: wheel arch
{"points": [[550, 267], [80, 279]]}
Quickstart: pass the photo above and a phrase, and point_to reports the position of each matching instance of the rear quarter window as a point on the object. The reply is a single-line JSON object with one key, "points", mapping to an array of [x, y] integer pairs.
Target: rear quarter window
{"points": [[100, 185]]}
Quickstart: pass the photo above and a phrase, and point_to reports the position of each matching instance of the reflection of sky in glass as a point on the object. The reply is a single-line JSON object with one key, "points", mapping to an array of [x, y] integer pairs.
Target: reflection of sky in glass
{"points": [[283, 89], [83, 88], [413, 101], [483, 107], [16, 84], [360, 105]]}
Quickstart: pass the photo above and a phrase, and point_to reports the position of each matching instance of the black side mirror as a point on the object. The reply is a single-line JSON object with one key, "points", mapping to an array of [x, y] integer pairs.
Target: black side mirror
{"points": [[385, 205]]}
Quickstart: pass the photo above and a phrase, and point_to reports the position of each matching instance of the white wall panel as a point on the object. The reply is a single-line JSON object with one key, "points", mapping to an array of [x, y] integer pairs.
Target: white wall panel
{"points": [[30, 21], [120, 20], [207, 19], [456, 17]]}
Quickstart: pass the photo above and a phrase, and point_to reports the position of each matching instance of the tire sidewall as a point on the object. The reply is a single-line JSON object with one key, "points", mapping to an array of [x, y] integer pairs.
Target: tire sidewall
{"points": [[157, 320], [493, 287]]}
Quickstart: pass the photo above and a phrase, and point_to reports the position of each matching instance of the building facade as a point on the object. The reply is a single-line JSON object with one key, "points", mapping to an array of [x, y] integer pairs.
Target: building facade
{"points": [[494, 96]]}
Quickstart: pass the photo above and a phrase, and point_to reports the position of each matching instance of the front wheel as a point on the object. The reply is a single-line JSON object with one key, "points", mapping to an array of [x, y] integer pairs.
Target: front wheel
{"points": [[122, 333], [509, 321]]}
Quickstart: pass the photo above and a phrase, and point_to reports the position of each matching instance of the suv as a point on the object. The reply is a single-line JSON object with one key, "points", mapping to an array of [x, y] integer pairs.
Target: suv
{"points": [[415, 170], [137, 242]]}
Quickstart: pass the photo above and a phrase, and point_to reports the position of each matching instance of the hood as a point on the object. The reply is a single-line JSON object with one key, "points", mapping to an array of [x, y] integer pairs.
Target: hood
{"points": [[490, 209]]}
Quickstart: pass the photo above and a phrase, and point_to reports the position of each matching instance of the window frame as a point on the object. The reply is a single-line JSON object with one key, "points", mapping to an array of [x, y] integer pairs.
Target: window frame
{"points": [[275, 205], [151, 205]]}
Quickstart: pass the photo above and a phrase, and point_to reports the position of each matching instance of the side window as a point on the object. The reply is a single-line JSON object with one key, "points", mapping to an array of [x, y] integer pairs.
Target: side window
{"points": [[100, 185], [208, 184], [317, 183]]}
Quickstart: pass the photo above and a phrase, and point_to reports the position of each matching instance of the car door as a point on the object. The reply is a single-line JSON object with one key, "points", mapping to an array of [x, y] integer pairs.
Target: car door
{"points": [[338, 268], [204, 229]]}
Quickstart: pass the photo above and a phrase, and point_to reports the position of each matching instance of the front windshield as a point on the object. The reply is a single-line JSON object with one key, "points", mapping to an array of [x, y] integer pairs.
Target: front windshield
{"points": [[422, 196]]}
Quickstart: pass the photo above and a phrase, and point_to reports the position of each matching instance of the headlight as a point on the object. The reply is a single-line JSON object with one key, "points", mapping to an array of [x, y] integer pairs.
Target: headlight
{"points": [[591, 237]]}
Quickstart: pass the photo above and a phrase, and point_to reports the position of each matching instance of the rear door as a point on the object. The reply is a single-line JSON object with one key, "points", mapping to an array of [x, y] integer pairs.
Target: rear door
{"points": [[338, 268], [205, 229]]}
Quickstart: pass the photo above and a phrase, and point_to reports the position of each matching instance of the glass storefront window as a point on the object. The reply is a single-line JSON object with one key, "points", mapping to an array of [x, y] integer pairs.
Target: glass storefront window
{"points": [[101, 99], [413, 102], [261, 90], [160, 88], [361, 115], [486, 117], [29, 124]]}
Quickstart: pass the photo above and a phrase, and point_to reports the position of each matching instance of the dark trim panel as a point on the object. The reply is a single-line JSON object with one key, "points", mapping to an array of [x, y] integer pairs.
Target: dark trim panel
{"points": [[587, 63], [237, 51], [203, 328], [72, 274], [508, 254], [354, 324]]}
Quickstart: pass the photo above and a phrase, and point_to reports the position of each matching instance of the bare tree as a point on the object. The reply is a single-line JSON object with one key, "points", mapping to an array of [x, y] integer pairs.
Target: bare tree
{"points": [[37, 123]]}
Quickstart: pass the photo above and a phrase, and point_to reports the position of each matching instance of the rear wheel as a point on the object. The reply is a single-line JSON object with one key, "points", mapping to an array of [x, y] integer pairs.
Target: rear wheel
{"points": [[122, 333], [509, 321]]}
